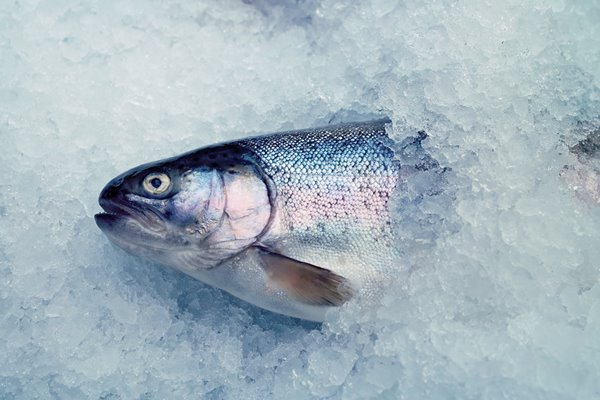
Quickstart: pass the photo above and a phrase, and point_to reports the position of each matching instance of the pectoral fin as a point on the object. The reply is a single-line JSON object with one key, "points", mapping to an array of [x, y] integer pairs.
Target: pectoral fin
{"points": [[305, 282]]}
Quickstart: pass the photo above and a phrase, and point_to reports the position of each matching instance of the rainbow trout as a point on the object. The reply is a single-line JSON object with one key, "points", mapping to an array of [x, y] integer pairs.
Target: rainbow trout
{"points": [[295, 222]]}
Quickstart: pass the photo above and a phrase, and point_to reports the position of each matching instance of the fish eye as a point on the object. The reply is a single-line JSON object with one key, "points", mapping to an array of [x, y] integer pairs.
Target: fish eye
{"points": [[157, 183]]}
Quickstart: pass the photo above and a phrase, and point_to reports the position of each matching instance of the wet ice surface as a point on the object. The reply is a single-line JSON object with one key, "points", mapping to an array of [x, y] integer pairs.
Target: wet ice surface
{"points": [[499, 294]]}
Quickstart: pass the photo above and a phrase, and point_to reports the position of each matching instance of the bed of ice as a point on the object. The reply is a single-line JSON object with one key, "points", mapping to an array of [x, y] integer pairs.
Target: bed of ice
{"points": [[501, 295]]}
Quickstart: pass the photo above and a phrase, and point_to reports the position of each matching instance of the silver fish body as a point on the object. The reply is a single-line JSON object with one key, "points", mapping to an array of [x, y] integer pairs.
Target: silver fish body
{"points": [[295, 222]]}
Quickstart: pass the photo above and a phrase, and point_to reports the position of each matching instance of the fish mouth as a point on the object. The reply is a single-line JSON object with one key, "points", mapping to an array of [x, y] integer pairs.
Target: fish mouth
{"points": [[113, 211], [117, 213], [132, 229]]}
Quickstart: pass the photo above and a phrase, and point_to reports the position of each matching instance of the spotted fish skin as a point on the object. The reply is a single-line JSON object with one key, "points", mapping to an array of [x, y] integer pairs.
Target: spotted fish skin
{"points": [[294, 222], [333, 187]]}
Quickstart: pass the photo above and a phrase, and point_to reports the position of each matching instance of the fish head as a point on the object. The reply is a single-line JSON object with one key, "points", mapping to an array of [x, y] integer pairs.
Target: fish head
{"points": [[190, 212]]}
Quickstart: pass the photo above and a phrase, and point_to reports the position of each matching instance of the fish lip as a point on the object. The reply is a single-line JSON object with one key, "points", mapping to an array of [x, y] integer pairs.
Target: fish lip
{"points": [[112, 213], [106, 220], [116, 210], [113, 208]]}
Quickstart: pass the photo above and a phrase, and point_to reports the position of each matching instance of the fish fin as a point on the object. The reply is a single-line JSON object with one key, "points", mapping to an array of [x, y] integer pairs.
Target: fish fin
{"points": [[305, 282]]}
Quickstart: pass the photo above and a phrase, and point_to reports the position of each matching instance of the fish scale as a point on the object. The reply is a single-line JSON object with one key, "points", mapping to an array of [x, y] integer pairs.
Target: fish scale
{"points": [[295, 222], [333, 191]]}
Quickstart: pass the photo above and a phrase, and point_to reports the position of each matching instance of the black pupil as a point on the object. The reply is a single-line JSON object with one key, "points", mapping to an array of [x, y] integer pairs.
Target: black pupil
{"points": [[155, 182]]}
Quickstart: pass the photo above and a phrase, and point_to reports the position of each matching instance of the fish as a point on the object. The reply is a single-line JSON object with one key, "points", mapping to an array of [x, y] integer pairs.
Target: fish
{"points": [[582, 174], [296, 222]]}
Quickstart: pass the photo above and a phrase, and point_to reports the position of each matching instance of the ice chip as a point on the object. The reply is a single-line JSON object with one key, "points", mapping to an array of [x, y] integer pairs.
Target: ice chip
{"points": [[497, 288]]}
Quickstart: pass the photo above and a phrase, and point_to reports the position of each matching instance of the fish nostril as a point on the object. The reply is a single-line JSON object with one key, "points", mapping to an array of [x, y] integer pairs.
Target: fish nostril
{"points": [[110, 191]]}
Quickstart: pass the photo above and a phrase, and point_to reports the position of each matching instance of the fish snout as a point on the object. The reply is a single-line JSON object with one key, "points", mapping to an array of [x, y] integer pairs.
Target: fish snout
{"points": [[111, 200], [116, 209], [111, 192]]}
